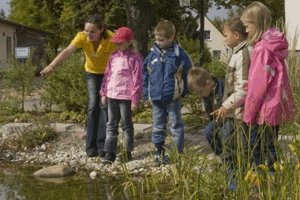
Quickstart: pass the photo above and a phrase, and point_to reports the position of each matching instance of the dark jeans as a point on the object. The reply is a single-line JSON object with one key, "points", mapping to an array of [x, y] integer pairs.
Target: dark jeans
{"points": [[115, 108], [96, 115], [260, 143]]}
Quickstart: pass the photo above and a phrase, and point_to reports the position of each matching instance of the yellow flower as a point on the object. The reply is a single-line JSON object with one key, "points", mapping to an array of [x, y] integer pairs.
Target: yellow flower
{"points": [[276, 166], [281, 167], [297, 166], [292, 147], [263, 167], [253, 178], [248, 176]]}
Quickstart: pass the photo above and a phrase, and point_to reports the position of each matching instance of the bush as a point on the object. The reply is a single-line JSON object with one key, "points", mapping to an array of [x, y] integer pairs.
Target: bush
{"points": [[20, 76], [66, 87]]}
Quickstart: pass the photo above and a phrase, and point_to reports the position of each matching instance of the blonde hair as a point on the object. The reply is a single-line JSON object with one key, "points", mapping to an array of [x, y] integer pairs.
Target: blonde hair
{"points": [[132, 46], [198, 76], [165, 27], [260, 16]]}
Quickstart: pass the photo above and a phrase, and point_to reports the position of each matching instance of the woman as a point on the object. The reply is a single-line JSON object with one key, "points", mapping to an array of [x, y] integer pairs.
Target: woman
{"points": [[95, 41]]}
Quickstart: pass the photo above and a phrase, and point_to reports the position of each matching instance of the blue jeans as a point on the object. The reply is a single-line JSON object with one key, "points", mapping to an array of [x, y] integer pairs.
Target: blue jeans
{"points": [[219, 134], [260, 142], [161, 109], [115, 108], [96, 115]]}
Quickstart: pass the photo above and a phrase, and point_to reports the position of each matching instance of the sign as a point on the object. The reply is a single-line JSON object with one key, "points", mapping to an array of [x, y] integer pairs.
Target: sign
{"points": [[22, 52]]}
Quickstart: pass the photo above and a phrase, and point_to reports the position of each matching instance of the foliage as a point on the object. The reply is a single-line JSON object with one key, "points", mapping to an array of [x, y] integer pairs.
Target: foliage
{"points": [[2, 14], [275, 6], [20, 76], [30, 138], [191, 46], [66, 87]]}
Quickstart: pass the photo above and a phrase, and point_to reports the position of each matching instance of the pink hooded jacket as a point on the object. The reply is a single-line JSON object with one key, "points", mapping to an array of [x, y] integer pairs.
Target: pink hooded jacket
{"points": [[270, 99], [123, 76]]}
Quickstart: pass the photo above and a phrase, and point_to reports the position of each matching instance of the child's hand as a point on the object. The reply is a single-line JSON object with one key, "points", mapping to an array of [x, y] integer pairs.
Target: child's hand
{"points": [[221, 113], [134, 107], [245, 86], [104, 101]]}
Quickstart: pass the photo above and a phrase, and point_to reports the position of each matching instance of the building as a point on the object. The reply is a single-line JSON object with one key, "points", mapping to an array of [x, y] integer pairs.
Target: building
{"points": [[214, 39], [14, 35], [292, 20]]}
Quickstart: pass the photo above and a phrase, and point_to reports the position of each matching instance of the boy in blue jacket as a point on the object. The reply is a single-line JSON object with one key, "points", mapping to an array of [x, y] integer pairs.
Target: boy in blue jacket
{"points": [[164, 82]]}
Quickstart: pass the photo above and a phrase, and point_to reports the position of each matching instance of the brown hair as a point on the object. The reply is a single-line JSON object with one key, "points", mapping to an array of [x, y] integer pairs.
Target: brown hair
{"points": [[99, 22], [260, 16], [234, 24], [198, 76], [166, 27]]}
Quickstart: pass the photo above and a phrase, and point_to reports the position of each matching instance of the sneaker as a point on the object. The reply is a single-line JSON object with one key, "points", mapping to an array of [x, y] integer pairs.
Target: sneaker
{"points": [[101, 154], [124, 157], [158, 161], [109, 158], [92, 154]]}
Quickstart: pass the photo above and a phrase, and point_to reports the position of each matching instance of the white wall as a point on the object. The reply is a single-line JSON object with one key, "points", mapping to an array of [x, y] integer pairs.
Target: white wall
{"points": [[292, 19]]}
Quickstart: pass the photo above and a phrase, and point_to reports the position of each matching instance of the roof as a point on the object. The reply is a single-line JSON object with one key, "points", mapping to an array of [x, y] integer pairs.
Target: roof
{"points": [[20, 26]]}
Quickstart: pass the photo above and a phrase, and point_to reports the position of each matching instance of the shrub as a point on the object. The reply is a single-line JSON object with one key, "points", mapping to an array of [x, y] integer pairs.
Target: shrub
{"points": [[20, 76], [66, 87]]}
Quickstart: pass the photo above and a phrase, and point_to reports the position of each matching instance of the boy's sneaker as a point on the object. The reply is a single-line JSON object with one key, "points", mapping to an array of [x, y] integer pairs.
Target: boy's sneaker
{"points": [[101, 154], [158, 161], [109, 158], [124, 157]]}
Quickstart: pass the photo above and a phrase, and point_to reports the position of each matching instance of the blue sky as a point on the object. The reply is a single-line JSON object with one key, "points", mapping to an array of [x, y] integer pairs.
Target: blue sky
{"points": [[212, 13]]}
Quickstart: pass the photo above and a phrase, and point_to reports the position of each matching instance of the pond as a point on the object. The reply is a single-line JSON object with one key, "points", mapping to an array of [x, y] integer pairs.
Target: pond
{"points": [[17, 182]]}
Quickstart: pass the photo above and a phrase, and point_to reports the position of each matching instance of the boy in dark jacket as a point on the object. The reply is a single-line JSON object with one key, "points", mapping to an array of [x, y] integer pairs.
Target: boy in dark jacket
{"points": [[164, 82]]}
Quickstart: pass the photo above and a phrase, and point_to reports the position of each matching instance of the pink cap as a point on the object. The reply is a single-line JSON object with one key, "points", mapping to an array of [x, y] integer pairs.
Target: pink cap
{"points": [[122, 34]]}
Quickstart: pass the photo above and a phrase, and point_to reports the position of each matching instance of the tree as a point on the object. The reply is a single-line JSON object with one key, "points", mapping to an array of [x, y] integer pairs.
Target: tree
{"points": [[276, 7], [2, 14]]}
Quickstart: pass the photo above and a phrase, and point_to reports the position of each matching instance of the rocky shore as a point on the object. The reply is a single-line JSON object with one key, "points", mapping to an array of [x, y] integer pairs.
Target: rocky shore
{"points": [[69, 149]]}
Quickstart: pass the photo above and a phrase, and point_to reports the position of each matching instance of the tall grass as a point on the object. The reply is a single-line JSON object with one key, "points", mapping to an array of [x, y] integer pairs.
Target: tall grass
{"points": [[195, 175]]}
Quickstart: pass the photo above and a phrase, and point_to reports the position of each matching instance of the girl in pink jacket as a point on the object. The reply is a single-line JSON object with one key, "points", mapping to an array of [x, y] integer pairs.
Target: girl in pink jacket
{"points": [[121, 88], [269, 101]]}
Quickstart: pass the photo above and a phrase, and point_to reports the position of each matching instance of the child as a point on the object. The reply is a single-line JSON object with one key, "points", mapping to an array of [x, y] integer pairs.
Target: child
{"points": [[270, 100], [220, 132], [121, 87], [209, 88], [164, 81]]}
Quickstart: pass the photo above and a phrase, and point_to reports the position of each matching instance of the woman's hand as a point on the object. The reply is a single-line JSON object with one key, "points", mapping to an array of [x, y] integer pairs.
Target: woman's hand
{"points": [[48, 70], [104, 100]]}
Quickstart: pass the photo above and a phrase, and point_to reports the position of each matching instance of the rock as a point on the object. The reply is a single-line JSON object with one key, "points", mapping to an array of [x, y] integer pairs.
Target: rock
{"points": [[55, 171], [93, 175]]}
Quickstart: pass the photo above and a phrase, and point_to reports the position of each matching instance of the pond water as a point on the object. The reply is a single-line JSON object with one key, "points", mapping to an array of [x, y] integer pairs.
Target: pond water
{"points": [[17, 182]]}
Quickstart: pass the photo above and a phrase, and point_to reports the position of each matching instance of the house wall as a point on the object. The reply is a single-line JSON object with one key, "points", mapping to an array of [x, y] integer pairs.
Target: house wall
{"points": [[292, 20], [216, 41], [6, 31]]}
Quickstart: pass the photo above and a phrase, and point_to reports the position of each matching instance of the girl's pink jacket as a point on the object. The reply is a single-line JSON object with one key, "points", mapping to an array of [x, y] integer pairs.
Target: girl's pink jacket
{"points": [[270, 99], [123, 76]]}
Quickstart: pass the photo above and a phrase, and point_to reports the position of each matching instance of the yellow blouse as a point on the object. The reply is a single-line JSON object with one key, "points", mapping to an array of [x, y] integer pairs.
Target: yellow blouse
{"points": [[95, 61]]}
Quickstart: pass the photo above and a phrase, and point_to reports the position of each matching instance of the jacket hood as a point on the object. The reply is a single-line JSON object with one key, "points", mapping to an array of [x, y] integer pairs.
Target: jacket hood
{"points": [[275, 41], [174, 49]]}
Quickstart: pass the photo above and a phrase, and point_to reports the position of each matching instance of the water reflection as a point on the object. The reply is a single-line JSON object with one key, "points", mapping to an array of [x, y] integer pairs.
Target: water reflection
{"points": [[17, 182]]}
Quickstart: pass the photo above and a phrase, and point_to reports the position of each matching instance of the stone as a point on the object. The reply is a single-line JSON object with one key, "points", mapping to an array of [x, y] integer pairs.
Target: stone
{"points": [[93, 175], [55, 171]]}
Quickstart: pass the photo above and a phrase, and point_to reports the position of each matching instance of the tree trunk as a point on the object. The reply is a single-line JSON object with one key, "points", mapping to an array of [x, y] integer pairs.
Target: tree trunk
{"points": [[138, 19]]}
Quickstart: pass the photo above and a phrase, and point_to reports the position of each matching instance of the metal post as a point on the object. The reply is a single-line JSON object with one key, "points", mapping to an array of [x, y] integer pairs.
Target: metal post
{"points": [[202, 32]]}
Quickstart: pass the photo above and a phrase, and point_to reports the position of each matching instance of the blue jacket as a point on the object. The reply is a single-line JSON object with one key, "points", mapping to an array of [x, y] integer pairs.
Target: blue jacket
{"points": [[165, 73], [214, 101]]}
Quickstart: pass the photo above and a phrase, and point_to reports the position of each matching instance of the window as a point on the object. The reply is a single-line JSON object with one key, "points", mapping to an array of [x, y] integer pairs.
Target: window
{"points": [[217, 54], [207, 35], [8, 46]]}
